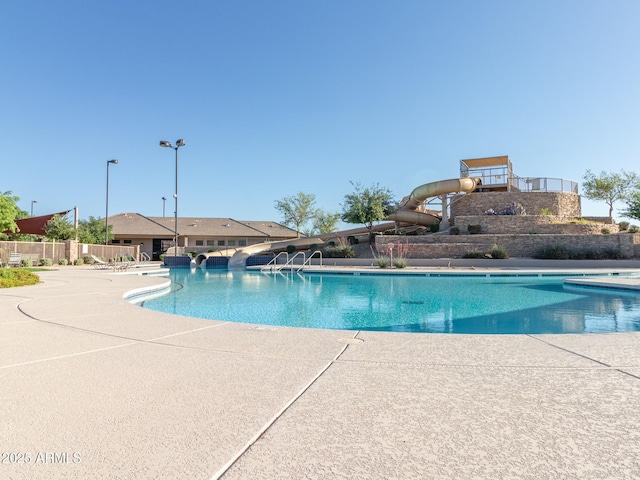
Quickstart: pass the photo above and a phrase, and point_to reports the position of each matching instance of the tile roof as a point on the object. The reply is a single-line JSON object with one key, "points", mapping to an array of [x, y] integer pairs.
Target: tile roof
{"points": [[137, 224]]}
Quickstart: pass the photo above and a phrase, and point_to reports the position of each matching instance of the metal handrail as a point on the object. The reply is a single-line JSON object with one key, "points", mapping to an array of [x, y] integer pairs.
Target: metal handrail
{"points": [[290, 261], [273, 261], [308, 260]]}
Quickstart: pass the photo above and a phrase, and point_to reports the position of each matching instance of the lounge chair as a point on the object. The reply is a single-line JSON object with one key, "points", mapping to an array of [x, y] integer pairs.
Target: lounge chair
{"points": [[15, 260], [102, 265]]}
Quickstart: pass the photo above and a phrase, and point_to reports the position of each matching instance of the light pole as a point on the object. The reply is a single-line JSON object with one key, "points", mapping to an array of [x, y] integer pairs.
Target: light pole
{"points": [[32, 202], [164, 200], [179, 143], [106, 213]]}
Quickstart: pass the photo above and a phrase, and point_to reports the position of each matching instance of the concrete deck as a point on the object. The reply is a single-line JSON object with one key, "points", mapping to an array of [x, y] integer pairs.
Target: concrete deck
{"points": [[92, 387]]}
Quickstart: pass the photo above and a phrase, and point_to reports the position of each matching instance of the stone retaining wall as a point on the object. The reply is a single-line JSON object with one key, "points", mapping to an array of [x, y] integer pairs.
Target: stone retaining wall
{"points": [[559, 203], [452, 246], [527, 224]]}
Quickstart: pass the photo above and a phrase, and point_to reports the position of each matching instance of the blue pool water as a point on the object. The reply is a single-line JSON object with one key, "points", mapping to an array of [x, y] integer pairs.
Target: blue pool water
{"points": [[447, 304]]}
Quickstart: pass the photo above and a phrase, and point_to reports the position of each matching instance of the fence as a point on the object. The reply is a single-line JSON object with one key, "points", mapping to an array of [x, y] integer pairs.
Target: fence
{"points": [[69, 249]]}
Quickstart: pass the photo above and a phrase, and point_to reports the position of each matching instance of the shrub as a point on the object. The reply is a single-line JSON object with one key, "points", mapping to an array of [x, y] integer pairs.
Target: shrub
{"points": [[605, 231], [78, 261], [546, 211], [454, 231], [383, 262], [499, 252], [163, 255], [400, 262], [341, 251], [46, 262], [473, 253], [474, 229], [291, 249], [17, 278], [87, 259], [634, 229], [26, 262], [193, 254], [434, 227], [623, 226], [553, 252], [63, 261]]}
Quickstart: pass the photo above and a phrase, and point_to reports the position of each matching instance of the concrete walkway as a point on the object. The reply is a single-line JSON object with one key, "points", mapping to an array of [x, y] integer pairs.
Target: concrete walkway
{"points": [[92, 387]]}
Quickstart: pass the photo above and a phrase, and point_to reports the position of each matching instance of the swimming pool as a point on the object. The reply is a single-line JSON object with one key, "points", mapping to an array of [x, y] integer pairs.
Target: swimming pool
{"points": [[401, 303]]}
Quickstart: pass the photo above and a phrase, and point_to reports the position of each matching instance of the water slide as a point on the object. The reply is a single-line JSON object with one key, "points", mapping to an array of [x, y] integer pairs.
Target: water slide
{"points": [[406, 214]]}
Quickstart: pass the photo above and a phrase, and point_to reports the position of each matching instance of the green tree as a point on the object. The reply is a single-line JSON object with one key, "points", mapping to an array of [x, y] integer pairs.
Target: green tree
{"points": [[633, 206], [92, 230], [297, 210], [325, 222], [367, 205], [59, 228], [610, 187], [9, 212]]}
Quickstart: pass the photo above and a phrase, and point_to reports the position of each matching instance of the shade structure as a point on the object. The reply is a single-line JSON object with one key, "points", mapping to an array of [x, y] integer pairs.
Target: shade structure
{"points": [[35, 225]]}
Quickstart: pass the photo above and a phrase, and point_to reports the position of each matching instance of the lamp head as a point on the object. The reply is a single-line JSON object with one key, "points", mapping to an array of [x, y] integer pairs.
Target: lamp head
{"points": [[164, 143], [180, 143], [114, 161]]}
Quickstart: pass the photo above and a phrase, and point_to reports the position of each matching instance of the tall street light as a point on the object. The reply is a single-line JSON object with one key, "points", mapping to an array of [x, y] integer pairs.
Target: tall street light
{"points": [[106, 213], [179, 143], [32, 202], [164, 199]]}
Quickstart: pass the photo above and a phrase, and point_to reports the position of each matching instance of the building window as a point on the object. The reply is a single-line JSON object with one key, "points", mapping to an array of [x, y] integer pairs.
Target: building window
{"points": [[199, 243], [232, 243], [242, 243], [211, 243], [127, 242], [115, 241], [221, 243]]}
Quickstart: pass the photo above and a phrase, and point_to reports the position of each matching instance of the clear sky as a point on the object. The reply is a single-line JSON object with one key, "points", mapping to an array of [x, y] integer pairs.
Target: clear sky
{"points": [[280, 96]]}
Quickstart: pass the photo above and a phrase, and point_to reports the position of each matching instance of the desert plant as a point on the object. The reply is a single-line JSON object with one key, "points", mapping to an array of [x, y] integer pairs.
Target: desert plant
{"points": [[546, 212], [473, 253], [340, 251], [162, 257], [383, 261], [400, 263], [63, 261], [434, 227], [474, 229], [26, 262], [87, 259], [605, 231], [46, 262], [499, 252], [634, 229], [78, 261], [291, 249], [623, 226], [454, 231]]}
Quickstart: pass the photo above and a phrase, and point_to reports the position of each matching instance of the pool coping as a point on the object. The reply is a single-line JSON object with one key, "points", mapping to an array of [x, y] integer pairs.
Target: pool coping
{"points": [[86, 371]]}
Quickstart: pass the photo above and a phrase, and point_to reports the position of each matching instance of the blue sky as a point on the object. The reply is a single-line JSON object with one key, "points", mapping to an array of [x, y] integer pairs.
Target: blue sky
{"points": [[275, 97]]}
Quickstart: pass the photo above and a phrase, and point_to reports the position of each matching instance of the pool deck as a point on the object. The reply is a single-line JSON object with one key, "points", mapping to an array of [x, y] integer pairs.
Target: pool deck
{"points": [[93, 387]]}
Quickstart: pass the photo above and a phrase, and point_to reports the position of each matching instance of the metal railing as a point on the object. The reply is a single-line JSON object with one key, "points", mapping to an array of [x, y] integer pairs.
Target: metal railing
{"points": [[272, 265], [308, 260], [528, 184]]}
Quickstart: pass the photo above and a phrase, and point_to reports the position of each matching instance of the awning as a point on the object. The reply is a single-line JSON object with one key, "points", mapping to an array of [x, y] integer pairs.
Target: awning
{"points": [[35, 225]]}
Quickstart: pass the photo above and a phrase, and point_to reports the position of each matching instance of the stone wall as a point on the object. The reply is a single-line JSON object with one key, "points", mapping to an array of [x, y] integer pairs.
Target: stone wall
{"points": [[527, 224], [451, 246], [559, 203]]}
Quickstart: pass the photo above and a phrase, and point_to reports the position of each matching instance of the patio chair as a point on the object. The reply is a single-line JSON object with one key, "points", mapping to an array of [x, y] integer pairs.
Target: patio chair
{"points": [[15, 260], [100, 264]]}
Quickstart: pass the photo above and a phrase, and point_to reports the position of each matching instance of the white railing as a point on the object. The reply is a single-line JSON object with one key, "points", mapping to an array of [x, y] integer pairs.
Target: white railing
{"points": [[272, 265], [308, 260]]}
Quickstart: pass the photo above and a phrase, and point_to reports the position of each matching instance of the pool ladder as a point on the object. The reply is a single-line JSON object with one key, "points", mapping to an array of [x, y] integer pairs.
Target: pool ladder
{"points": [[273, 266]]}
